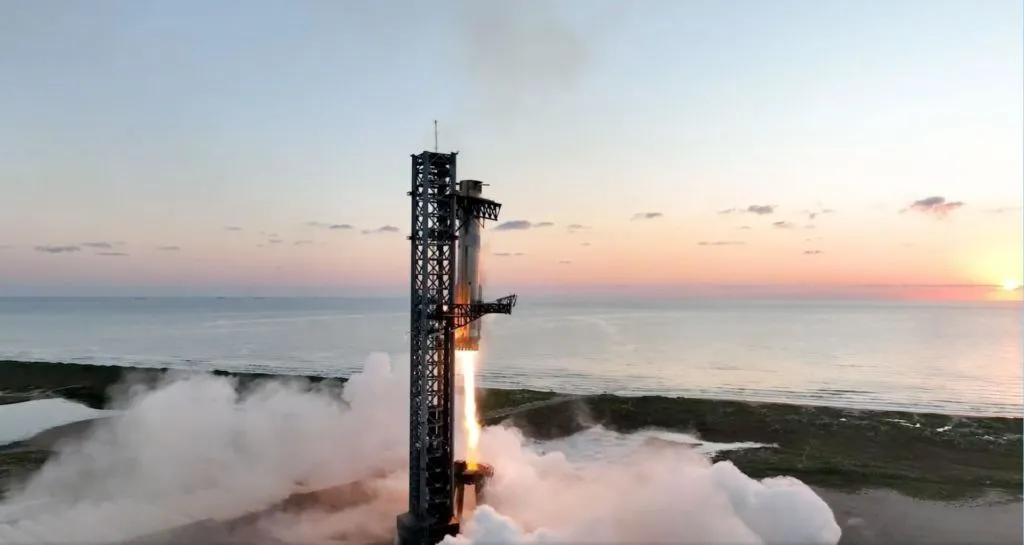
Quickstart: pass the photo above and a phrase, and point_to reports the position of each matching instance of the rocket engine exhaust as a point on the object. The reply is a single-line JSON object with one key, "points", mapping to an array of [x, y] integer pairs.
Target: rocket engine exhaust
{"points": [[467, 338]]}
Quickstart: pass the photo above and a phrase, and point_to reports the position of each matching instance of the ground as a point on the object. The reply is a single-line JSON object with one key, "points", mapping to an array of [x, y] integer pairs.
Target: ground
{"points": [[926, 456], [849, 456]]}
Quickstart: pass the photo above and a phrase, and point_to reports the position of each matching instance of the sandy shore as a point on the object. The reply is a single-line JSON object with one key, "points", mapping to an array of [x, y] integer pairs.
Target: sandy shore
{"points": [[884, 516]]}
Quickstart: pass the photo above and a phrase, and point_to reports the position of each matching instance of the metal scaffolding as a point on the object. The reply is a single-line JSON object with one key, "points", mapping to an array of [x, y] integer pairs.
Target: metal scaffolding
{"points": [[438, 210]]}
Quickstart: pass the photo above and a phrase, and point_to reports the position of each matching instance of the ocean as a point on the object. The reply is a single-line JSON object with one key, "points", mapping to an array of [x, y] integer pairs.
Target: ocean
{"points": [[955, 358]]}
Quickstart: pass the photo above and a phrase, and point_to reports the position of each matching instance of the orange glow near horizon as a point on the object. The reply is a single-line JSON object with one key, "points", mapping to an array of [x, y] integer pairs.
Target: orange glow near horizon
{"points": [[466, 361], [944, 257], [852, 253]]}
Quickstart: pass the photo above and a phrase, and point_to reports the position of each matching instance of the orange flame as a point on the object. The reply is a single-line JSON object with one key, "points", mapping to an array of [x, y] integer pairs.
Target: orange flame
{"points": [[466, 364]]}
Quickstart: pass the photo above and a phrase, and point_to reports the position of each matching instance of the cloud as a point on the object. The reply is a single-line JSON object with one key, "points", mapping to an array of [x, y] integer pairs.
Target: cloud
{"points": [[783, 225], [647, 215], [168, 248], [522, 225], [302, 242], [759, 209], [813, 252], [722, 243], [584, 244], [574, 227], [810, 226], [509, 254], [514, 225], [565, 262], [232, 228], [936, 206], [813, 214], [104, 245], [384, 229], [332, 226], [1004, 209], [58, 249], [744, 227], [112, 254], [274, 241]]}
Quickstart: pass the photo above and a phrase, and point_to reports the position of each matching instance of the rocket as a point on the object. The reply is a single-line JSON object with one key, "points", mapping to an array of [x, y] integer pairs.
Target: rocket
{"points": [[467, 269]]}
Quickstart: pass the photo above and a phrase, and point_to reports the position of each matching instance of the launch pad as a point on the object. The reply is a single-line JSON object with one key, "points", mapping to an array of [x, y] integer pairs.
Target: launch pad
{"points": [[445, 301], [474, 477]]}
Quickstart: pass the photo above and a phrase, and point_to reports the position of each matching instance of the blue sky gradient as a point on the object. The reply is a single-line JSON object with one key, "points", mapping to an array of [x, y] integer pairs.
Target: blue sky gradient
{"points": [[148, 125]]}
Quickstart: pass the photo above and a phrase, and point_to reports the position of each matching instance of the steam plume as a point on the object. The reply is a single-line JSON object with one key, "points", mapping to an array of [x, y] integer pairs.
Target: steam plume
{"points": [[194, 449]]}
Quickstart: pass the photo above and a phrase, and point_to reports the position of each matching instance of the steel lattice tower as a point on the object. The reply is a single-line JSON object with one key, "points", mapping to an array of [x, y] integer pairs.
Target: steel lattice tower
{"points": [[437, 212]]}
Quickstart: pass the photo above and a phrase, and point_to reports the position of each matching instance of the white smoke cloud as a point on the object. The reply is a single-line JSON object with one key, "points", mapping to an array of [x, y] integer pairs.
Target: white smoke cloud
{"points": [[194, 449], [655, 494]]}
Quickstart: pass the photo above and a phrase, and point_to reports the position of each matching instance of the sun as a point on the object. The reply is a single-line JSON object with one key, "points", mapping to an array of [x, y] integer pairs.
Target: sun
{"points": [[1010, 285]]}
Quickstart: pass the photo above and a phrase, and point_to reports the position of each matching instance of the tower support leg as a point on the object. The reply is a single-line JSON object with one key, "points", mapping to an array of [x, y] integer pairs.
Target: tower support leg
{"points": [[412, 531]]}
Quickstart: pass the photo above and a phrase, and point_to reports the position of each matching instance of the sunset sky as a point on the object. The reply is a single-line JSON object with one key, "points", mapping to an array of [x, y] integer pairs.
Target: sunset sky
{"points": [[187, 147]]}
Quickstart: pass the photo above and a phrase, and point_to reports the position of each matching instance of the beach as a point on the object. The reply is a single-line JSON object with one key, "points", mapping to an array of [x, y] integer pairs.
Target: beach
{"points": [[886, 475]]}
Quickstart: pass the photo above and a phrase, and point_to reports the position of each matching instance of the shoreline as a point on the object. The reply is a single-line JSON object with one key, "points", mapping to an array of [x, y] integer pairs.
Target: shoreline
{"points": [[105, 370], [921, 455]]}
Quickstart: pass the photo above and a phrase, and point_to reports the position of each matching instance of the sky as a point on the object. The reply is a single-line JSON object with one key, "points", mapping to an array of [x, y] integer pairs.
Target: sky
{"points": [[262, 147]]}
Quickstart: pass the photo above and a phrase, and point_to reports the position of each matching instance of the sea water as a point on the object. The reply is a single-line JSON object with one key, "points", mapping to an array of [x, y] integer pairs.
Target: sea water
{"points": [[958, 358]]}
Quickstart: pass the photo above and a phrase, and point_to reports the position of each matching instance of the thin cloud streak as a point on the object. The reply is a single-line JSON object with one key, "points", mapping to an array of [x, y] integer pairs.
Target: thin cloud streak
{"points": [[66, 249], [379, 230], [331, 226], [813, 214], [757, 209], [514, 225]]}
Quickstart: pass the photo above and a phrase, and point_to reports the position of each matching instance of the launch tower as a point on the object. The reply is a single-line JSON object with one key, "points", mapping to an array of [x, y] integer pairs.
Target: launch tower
{"points": [[439, 211]]}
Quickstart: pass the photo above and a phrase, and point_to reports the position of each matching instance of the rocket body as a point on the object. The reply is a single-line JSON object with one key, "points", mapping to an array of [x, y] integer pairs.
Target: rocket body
{"points": [[467, 266]]}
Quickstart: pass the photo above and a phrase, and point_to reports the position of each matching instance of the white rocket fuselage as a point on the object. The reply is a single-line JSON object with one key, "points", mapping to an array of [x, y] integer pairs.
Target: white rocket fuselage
{"points": [[467, 277]]}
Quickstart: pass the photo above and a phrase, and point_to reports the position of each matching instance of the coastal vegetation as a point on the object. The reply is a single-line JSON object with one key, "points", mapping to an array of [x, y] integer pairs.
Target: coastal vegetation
{"points": [[922, 455]]}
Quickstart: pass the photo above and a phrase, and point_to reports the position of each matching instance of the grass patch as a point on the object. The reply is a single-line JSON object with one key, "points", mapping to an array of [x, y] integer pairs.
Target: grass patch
{"points": [[923, 455]]}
